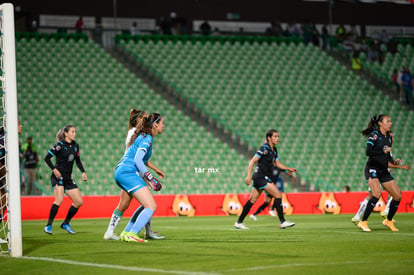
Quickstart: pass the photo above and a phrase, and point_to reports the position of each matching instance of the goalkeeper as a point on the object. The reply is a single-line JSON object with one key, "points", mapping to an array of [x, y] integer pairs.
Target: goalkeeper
{"points": [[131, 170], [135, 124]]}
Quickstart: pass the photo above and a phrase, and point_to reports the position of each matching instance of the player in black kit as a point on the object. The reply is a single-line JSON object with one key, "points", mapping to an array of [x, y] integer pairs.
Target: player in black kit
{"points": [[66, 151], [266, 158], [379, 146]]}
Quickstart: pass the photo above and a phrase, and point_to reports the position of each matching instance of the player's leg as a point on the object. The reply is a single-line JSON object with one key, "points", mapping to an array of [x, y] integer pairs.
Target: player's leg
{"points": [[246, 208], [59, 192], [76, 197], [280, 187], [375, 187], [272, 190], [124, 201], [387, 208], [362, 207], [395, 192], [262, 207], [144, 196]]}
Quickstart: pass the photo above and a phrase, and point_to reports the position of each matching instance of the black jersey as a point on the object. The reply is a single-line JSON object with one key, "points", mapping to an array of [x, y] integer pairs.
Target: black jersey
{"points": [[267, 157], [376, 144], [66, 154]]}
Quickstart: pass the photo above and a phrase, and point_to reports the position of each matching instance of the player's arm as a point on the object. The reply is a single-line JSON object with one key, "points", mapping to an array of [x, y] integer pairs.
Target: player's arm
{"points": [[139, 163], [80, 166], [397, 165], [284, 167], [292, 176], [50, 154], [155, 169], [250, 169]]}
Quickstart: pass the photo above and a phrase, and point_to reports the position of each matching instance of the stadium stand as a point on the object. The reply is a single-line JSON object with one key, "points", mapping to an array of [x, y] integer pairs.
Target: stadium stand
{"points": [[254, 84], [66, 79]]}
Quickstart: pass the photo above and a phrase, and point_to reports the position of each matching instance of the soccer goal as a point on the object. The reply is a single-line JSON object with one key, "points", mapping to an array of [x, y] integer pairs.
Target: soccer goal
{"points": [[10, 227]]}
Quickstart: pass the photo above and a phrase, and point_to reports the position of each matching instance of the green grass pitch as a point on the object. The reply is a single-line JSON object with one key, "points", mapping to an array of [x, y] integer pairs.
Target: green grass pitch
{"points": [[318, 244]]}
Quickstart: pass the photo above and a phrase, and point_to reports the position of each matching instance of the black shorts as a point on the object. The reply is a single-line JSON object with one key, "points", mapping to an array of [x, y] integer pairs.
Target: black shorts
{"points": [[260, 181], [67, 184], [381, 175]]}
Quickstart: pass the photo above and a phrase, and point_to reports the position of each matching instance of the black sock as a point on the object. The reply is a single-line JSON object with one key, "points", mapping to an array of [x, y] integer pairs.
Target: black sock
{"points": [[370, 206], [246, 209], [393, 209], [274, 204], [71, 212], [53, 211], [279, 209], [261, 208], [136, 213]]}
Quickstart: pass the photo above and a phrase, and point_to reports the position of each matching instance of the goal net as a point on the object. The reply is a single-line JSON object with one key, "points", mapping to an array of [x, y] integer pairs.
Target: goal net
{"points": [[10, 225]]}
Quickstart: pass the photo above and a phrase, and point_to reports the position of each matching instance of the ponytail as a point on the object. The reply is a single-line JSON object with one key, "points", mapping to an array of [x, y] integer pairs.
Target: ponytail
{"points": [[134, 115], [372, 125], [145, 126], [61, 133]]}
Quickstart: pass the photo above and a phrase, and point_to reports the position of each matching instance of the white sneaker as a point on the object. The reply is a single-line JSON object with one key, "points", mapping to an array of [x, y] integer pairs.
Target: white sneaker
{"points": [[111, 237], [2, 241], [286, 224], [272, 213], [240, 226], [253, 217]]}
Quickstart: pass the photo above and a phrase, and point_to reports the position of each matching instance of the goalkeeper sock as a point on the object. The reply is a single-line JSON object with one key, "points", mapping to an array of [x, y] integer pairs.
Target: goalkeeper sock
{"points": [[142, 220], [261, 208], [53, 211], [370, 206], [279, 209], [246, 209], [72, 211], [393, 209], [133, 218], [113, 223]]}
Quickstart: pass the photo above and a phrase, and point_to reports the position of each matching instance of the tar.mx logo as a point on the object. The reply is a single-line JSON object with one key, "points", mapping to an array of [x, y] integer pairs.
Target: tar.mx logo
{"points": [[200, 170]]}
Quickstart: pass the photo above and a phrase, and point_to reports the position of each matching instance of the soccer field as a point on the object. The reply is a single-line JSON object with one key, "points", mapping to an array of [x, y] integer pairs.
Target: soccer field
{"points": [[318, 244]]}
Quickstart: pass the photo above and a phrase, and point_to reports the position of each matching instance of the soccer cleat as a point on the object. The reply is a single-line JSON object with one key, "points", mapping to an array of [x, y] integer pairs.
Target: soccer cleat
{"points": [[2, 241], [390, 224], [253, 217], [240, 226], [48, 229], [363, 225], [384, 216], [111, 237], [133, 238], [123, 236], [68, 228], [286, 224], [154, 236], [355, 220], [272, 213]]}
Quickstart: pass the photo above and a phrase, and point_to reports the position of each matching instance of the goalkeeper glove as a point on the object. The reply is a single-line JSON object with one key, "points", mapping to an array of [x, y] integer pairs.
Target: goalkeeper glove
{"points": [[153, 182]]}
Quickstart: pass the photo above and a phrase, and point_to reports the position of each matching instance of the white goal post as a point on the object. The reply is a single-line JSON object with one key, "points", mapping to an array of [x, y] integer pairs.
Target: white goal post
{"points": [[10, 124]]}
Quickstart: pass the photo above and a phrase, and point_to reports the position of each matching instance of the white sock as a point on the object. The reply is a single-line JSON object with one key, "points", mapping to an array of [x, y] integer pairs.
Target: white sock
{"points": [[113, 223], [387, 208], [361, 210]]}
